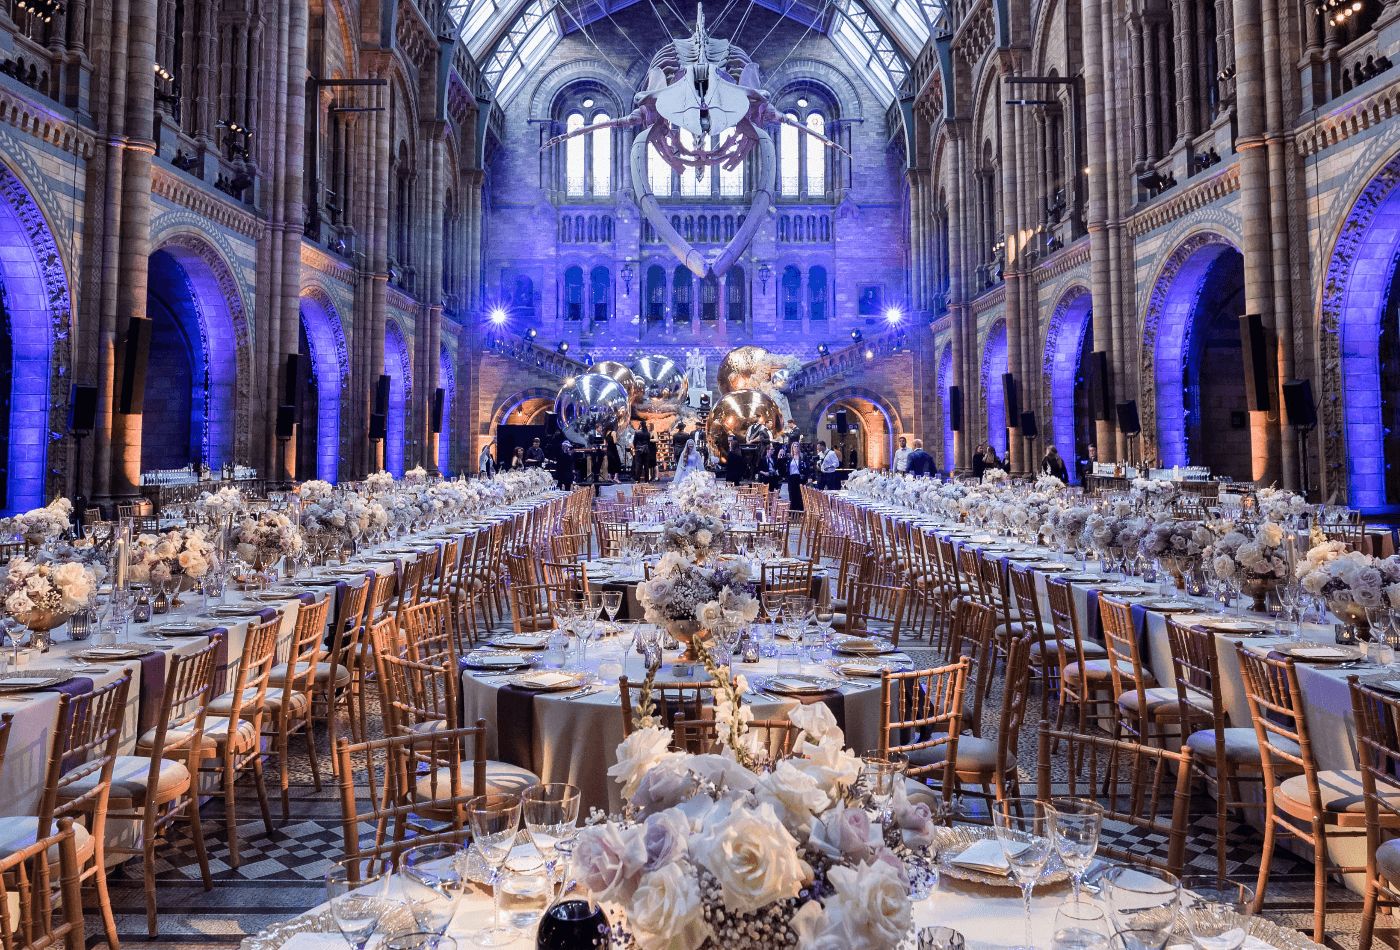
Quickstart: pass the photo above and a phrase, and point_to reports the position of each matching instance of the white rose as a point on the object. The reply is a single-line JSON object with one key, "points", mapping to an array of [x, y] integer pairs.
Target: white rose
{"points": [[640, 751], [753, 858], [703, 538], [816, 721], [666, 912], [608, 860], [846, 834], [1270, 535], [1224, 566], [870, 904], [817, 931], [710, 615], [794, 796]]}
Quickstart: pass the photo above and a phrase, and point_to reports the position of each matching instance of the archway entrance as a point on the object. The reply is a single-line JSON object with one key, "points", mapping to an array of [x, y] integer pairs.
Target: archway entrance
{"points": [[188, 416], [948, 444], [399, 370], [447, 377], [870, 428], [1069, 406], [322, 346], [1202, 411], [993, 394]]}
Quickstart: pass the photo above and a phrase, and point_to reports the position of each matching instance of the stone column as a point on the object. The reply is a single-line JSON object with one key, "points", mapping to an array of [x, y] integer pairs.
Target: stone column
{"points": [[1011, 157], [1100, 273], [293, 81]]}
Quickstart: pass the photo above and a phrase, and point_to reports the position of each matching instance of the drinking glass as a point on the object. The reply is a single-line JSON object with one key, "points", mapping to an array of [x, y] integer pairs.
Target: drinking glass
{"points": [[525, 891], [881, 772], [1080, 925], [431, 879], [1075, 824], [550, 812], [1143, 905], [772, 603], [1022, 827], [357, 889], [1216, 912], [825, 615], [495, 819], [612, 603]]}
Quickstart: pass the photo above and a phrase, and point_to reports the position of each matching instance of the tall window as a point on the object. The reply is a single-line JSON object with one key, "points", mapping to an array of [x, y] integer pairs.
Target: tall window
{"points": [[575, 157], [790, 159], [792, 293], [803, 161], [588, 156], [659, 173], [573, 293], [816, 155], [600, 162]]}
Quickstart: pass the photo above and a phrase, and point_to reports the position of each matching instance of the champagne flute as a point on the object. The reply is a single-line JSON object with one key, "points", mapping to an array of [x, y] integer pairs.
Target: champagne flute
{"points": [[495, 820], [1143, 904], [1075, 824], [550, 812], [1022, 827], [357, 889]]}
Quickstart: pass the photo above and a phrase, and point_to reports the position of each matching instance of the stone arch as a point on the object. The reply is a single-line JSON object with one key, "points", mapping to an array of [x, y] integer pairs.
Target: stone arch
{"points": [[554, 82], [1354, 297], [948, 441], [398, 367], [993, 397], [1071, 319], [192, 284], [802, 69], [447, 379], [330, 363], [528, 401], [880, 422], [38, 311], [1165, 342]]}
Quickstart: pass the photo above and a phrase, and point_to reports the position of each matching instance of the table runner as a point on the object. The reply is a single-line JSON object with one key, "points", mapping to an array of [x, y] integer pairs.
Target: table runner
{"points": [[515, 726], [152, 690]]}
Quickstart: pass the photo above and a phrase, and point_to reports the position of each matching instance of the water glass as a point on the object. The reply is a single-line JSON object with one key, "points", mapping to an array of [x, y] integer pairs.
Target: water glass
{"points": [[357, 892], [495, 820], [432, 882], [1023, 828], [1143, 905], [1080, 925], [1216, 912], [612, 603], [880, 772], [524, 891], [550, 812], [1075, 824]]}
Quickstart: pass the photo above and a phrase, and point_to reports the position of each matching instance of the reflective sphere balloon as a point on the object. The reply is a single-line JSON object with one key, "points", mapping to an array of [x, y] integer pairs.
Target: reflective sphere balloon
{"points": [[623, 375], [589, 401], [664, 385], [735, 413], [746, 367]]}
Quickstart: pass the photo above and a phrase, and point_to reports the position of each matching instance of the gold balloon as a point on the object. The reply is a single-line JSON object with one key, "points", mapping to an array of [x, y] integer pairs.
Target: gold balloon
{"points": [[623, 375], [733, 415], [589, 401], [743, 368]]}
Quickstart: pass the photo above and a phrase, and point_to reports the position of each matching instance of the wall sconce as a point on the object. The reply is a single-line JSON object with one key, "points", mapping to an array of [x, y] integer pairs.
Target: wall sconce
{"points": [[627, 273], [764, 273]]}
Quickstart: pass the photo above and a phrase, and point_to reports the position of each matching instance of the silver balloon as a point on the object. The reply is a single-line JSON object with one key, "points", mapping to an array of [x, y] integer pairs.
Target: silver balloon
{"points": [[622, 374], [664, 386], [589, 401]]}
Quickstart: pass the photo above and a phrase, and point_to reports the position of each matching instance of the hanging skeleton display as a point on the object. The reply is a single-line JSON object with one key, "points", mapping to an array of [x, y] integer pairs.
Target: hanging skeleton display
{"points": [[691, 87]]}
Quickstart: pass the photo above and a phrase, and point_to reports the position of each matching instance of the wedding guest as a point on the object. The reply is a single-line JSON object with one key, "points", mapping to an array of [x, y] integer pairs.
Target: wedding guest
{"points": [[534, 455], [768, 472], [794, 467], [1052, 464], [829, 465], [614, 457], [979, 460], [734, 462], [921, 464], [567, 466], [518, 459], [901, 456], [486, 462], [641, 452]]}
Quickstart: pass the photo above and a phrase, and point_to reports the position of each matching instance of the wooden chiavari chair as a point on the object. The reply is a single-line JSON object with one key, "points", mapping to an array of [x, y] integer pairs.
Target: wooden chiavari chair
{"points": [[989, 765], [1377, 717], [877, 610], [1146, 712], [920, 714], [27, 899], [291, 685], [340, 678], [611, 536], [699, 736], [410, 573], [530, 608], [1085, 680], [672, 701], [428, 635], [564, 582], [1145, 792], [1350, 533], [168, 771], [787, 578], [570, 547], [773, 533]]}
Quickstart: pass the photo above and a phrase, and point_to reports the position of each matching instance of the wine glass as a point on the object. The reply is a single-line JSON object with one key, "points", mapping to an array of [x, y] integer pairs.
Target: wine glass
{"points": [[882, 772], [825, 615], [1022, 827], [612, 603], [550, 812], [432, 883], [1216, 912], [772, 604], [357, 889], [1080, 925], [1143, 905], [495, 819], [1075, 824]]}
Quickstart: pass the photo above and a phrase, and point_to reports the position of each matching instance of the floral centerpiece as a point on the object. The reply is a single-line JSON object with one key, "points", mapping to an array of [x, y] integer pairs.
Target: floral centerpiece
{"points": [[220, 506], [377, 482], [329, 523], [734, 850], [1067, 525], [41, 525], [687, 597], [692, 535], [699, 493], [416, 474], [1152, 491], [993, 475], [44, 595], [1178, 544], [267, 537], [1350, 582], [1257, 562], [315, 490], [172, 556], [1048, 483], [1278, 505], [1113, 534]]}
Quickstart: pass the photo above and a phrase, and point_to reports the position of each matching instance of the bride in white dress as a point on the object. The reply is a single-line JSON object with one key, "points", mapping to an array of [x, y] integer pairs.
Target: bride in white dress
{"points": [[690, 461]]}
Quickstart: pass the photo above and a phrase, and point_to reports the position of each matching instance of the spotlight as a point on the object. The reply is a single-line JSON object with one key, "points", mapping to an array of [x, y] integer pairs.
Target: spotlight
{"points": [[869, 354], [823, 349], [857, 336], [531, 333], [499, 316], [563, 346], [894, 315]]}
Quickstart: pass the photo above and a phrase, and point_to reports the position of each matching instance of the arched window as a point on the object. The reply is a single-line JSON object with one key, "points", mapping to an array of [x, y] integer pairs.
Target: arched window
{"points": [[735, 287], [683, 281], [792, 293], [656, 293], [573, 293], [805, 165], [816, 293], [709, 298], [659, 173], [600, 163], [601, 292], [575, 158], [789, 159], [816, 155]]}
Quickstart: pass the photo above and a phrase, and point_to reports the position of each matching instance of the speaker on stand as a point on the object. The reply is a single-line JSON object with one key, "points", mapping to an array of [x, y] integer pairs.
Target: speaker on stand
{"points": [[82, 419], [379, 419], [1030, 433], [1302, 417], [1129, 425]]}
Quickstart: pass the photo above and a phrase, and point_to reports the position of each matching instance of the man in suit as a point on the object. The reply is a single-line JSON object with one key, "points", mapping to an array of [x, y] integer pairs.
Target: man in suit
{"points": [[921, 464], [568, 463], [641, 450]]}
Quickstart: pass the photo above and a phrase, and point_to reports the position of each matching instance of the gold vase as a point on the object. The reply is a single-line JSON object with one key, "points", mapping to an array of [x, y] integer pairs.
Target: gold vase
{"points": [[1353, 615], [1258, 588], [685, 632]]}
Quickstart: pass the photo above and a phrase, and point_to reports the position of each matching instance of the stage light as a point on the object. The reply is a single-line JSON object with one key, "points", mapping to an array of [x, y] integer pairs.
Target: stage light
{"points": [[498, 316], [563, 346], [869, 354], [894, 315], [823, 349], [856, 336], [531, 333]]}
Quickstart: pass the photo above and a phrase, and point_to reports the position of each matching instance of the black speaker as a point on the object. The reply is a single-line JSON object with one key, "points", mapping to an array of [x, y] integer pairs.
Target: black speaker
{"points": [[843, 423], [439, 401], [1102, 391], [1012, 400], [1258, 386], [286, 420], [1028, 428], [82, 408], [135, 353], [955, 408], [551, 423], [294, 378], [1298, 402], [1128, 422], [377, 421], [381, 396]]}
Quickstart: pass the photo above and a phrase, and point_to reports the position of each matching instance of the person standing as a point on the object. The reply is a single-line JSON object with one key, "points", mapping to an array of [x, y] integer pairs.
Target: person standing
{"points": [[734, 462], [534, 455], [486, 462], [641, 445], [921, 464], [517, 461], [830, 463], [1054, 465], [614, 457], [790, 462], [768, 472], [979, 461], [901, 457], [567, 466]]}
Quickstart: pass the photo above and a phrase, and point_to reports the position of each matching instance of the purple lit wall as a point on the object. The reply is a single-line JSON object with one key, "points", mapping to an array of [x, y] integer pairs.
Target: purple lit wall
{"points": [[447, 377], [27, 305], [397, 367], [1064, 343], [329, 363], [994, 396], [945, 383], [1186, 272]]}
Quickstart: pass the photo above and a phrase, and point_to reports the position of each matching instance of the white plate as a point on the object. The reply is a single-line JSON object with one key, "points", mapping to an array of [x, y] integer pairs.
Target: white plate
{"points": [[548, 681]]}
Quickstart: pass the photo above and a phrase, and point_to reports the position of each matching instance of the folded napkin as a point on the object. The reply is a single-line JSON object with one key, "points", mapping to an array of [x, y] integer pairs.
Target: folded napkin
{"points": [[861, 668], [1319, 653], [986, 856], [1250, 943], [859, 644], [1234, 626], [25, 680], [546, 679], [794, 684], [1172, 605], [306, 941], [521, 641]]}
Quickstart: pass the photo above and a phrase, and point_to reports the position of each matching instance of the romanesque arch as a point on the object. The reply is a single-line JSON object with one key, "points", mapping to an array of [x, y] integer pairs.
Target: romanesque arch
{"points": [[398, 367], [330, 368], [993, 394], [1067, 340]]}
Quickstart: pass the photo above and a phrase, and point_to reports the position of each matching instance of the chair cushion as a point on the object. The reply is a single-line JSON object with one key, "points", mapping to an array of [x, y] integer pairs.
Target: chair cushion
{"points": [[1099, 671], [502, 778], [1340, 790], [1161, 702], [216, 733], [1388, 861], [974, 755], [278, 676], [272, 702], [18, 832], [1241, 746], [130, 774]]}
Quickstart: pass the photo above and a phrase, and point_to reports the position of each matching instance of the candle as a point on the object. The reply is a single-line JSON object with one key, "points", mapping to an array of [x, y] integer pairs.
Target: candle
{"points": [[119, 581]]}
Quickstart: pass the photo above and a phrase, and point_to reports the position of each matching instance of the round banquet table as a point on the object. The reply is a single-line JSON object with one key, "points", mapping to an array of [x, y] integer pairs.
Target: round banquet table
{"points": [[573, 736], [624, 574]]}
